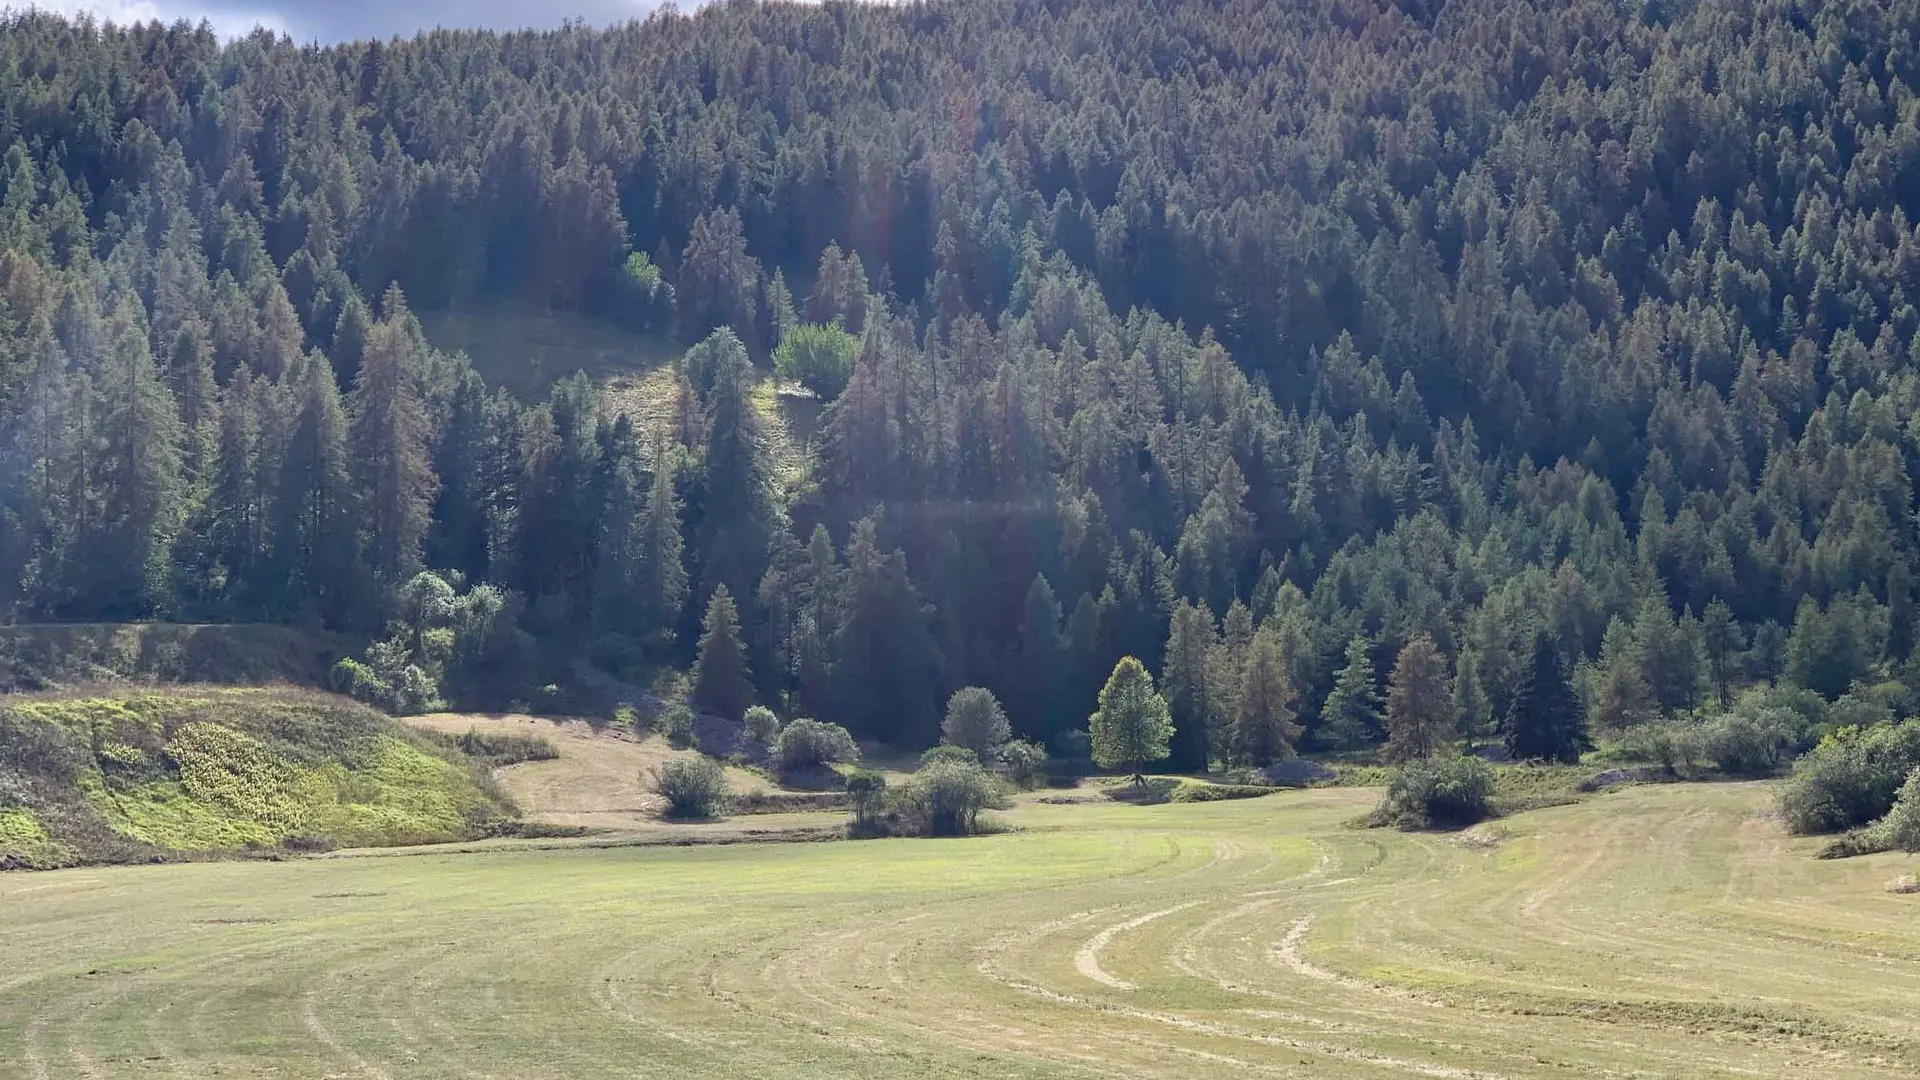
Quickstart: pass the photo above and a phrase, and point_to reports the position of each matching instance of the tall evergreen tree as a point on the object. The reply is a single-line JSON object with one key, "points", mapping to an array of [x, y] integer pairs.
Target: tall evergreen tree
{"points": [[1190, 641], [1037, 696], [315, 548], [722, 680], [137, 483], [1351, 716], [1264, 727], [391, 442], [1546, 722]]}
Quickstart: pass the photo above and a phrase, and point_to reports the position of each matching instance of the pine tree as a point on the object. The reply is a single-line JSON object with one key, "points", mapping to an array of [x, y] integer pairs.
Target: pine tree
{"points": [[1264, 728], [1190, 641], [1132, 726], [1351, 716], [1420, 713], [722, 679], [1724, 641], [391, 440], [1545, 722]]}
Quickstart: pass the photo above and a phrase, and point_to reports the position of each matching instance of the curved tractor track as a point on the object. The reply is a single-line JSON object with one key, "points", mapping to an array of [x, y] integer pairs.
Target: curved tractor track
{"points": [[1651, 933]]}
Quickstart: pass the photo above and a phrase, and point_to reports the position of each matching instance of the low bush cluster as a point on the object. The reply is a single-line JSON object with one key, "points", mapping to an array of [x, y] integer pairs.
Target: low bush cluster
{"points": [[805, 745], [499, 749], [1441, 793], [694, 787], [1851, 778], [945, 798]]}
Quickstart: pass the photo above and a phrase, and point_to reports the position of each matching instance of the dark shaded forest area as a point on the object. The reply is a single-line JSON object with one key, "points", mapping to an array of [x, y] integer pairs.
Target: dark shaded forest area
{"points": [[1232, 336]]}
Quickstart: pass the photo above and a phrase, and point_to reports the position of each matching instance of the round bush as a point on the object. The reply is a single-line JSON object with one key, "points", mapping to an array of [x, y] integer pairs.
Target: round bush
{"points": [[945, 753], [1903, 821], [1023, 762], [976, 721], [1447, 793], [694, 787], [811, 744], [945, 799], [761, 725], [819, 358], [1851, 778]]}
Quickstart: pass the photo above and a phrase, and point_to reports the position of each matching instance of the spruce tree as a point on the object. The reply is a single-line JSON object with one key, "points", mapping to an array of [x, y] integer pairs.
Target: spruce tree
{"points": [[1132, 726], [663, 571], [1265, 727], [1420, 714], [1351, 716], [722, 679], [1546, 721], [1042, 661]]}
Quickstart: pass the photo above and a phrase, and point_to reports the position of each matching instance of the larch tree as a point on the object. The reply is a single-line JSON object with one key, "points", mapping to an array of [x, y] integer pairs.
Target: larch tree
{"points": [[1132, 726], [1265, 726], [1420, 714], [391, 440]]}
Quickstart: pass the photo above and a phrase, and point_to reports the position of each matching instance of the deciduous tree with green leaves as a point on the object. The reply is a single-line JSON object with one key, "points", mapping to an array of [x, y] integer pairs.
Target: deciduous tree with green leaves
{"points": [[1132, 726]]}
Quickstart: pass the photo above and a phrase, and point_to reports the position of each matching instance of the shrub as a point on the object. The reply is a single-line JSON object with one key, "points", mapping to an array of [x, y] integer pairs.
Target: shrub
{"points": [[1751, 743], [677, 726], [505, 749], [946, 753], [1192, 791], [1673, 746], [761, 725], [976, 721], [630, 718], [1902, 823], [810, 744], [1450, 792], [1023, 763], [1851, 778], [945, 799], [694, 787], [819, 358], [867, 791]]}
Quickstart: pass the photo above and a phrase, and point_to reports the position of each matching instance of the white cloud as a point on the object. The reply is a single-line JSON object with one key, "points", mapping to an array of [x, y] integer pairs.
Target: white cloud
{"points": [[225, 21]]}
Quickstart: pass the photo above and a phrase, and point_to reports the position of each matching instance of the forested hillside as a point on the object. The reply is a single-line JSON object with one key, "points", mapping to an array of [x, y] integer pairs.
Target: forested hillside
{"points": [[1253, 339]]}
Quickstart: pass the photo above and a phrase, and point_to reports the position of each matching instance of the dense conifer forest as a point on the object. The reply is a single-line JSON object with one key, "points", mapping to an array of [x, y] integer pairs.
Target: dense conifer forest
{"points": [[1568, 345]]}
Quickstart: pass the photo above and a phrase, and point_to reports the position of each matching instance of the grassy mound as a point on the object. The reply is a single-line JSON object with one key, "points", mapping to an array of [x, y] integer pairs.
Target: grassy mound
{"points": [[132, 777], [49, 656]]}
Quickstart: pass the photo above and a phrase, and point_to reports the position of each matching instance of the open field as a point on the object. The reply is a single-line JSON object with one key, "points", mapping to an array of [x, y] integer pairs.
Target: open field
{"points": [[1662, 931]]}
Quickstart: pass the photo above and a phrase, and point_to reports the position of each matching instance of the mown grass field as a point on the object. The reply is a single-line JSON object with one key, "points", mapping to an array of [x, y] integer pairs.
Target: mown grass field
{"points": [[1660, 931]]}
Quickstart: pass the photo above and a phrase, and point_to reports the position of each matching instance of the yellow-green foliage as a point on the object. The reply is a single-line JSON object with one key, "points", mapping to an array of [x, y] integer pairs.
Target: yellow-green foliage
{"points": [[212, 770], [24, 842]]}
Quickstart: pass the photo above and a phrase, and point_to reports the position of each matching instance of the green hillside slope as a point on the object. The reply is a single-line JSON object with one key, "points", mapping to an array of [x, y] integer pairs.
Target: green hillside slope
{"points": [[139, 776]]}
